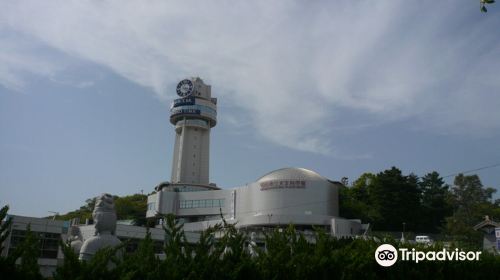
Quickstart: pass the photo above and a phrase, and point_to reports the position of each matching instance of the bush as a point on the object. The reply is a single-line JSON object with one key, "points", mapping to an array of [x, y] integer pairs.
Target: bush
{"points": [[288, 255]]}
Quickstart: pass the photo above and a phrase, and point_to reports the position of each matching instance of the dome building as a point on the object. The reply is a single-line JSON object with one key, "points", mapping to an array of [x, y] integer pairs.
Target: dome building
{"points": [[285, 196]]}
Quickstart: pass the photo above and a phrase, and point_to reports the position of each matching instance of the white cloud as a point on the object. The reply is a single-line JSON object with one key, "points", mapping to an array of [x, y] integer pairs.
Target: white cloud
{"points": [[19, 58], [292, 66]]}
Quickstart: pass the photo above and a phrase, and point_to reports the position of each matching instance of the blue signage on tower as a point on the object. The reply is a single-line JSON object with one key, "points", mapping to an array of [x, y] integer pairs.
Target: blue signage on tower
{"points": [[183, 101], [185, 111]]}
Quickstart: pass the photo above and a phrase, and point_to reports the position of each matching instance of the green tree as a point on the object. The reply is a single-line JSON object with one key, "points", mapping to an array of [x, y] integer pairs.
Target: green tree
{"points": [[483, 3], [83, 213], [435, 205], [177, 250], [220, 253], [470, 198], [7, 264], [5, 225], [143, 263], [235, 261], [71, 268], [29, 253], [396, 198], [471, 201], [278, 255], [355, 200], [132, 207]]}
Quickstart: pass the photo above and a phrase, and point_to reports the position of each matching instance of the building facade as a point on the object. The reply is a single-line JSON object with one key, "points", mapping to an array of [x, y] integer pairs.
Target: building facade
{"points": [[286, 196], [48, 233], [491, 234]]}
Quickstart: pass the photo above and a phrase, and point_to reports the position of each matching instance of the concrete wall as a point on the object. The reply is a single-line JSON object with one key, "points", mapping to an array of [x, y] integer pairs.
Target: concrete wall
{"points": [[344, 228]]}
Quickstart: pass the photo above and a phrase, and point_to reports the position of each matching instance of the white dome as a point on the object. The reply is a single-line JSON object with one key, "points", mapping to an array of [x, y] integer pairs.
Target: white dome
{"points": [[292, 173]]}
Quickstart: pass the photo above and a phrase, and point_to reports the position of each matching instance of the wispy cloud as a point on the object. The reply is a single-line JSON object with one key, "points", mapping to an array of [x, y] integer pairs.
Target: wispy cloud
{"points": [[292, 67], [20, 58]]}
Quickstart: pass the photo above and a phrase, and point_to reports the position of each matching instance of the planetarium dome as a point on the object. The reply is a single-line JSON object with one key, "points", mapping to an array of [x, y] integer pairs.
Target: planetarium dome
{"points": [[292, 173]]}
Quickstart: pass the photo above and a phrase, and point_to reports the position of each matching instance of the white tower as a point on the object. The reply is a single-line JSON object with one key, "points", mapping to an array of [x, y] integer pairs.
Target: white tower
{"points": [[193, 115]]}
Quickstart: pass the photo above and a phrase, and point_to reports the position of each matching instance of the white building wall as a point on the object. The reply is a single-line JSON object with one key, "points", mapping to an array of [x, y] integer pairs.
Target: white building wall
{"points": [[317, 198], [204, 156], [315, 204], [152, 206], [191, 154], [344, 228], [175, 161], [163, 202]]}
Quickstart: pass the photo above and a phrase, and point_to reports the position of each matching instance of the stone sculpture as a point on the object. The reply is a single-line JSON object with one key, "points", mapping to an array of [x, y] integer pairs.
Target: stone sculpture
{"points": [[104, 216], [75, 239]]}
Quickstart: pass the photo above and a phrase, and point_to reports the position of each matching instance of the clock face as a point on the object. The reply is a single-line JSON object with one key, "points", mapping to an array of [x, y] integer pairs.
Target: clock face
{"points": [[185, 88]]}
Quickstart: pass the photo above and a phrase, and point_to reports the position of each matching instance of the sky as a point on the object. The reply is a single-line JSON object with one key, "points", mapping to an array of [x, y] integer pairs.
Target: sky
{"points": [[338, 87]]}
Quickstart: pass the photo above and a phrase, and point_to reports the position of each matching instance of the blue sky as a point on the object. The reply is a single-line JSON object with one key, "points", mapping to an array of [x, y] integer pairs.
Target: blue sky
{"points": [[339, 87]]}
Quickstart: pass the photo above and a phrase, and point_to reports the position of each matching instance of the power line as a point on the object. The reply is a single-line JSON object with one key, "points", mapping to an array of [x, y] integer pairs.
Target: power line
{"points": [[472, 170]]}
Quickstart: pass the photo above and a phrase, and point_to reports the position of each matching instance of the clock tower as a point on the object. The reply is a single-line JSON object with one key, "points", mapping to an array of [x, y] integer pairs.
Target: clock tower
{"points": [[193, 114]]}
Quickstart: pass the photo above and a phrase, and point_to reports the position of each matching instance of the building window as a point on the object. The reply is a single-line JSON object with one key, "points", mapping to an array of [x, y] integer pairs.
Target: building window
{"points": [[201, 203], [209, 203], [48, 241]]}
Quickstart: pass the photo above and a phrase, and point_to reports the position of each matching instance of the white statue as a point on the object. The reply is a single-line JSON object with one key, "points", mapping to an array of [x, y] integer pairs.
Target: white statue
{"points": [[75, 239], [104, 216]]}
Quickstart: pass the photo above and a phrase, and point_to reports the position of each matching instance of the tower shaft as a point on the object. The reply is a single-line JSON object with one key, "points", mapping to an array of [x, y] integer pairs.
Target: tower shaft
{"points": [[191, 153], [193, 116]]}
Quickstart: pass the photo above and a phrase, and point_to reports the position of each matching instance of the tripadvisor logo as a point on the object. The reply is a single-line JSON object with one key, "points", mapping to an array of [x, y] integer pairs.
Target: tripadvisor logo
{"points": [[387, 255]]}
